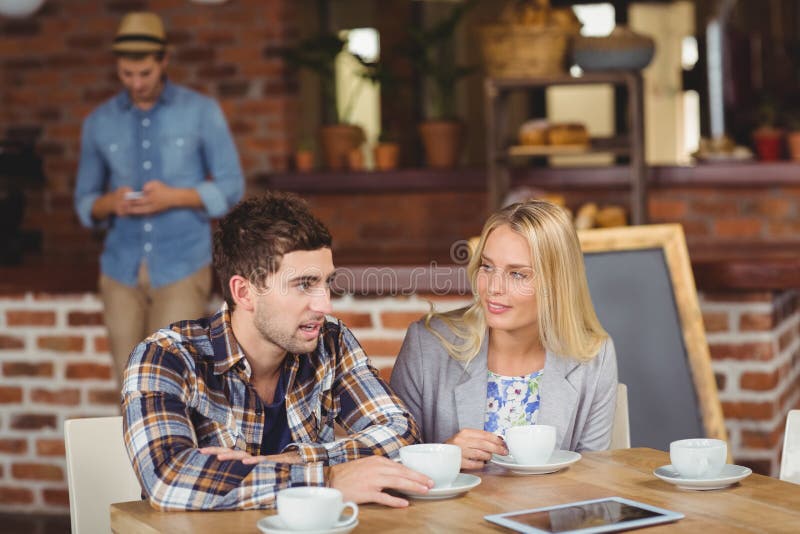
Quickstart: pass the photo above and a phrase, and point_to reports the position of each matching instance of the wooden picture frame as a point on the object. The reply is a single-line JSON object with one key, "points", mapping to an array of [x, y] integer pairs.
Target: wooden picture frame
{"points": [[670, 239]]}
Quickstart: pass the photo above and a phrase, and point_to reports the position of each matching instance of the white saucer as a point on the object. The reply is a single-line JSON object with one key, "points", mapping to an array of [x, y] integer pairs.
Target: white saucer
{"points": [[558, 461], [273, 525], [462, 484], [731, 474]]}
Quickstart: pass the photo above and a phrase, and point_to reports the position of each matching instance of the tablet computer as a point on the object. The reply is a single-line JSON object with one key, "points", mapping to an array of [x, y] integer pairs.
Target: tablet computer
{"points": [[610, 514]]}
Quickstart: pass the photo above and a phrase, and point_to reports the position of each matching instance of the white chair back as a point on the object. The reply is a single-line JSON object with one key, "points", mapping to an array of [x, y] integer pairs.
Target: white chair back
{"points": [[99, 472], [790, 460], [620, 427]]}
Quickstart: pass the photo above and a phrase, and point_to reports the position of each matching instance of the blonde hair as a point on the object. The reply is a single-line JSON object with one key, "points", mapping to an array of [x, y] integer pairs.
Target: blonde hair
{"points": [[568, 324]]}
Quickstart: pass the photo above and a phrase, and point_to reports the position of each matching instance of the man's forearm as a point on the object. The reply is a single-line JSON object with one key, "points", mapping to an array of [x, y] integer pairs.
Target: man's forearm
{"points": [[186, 198], [104, 206]]}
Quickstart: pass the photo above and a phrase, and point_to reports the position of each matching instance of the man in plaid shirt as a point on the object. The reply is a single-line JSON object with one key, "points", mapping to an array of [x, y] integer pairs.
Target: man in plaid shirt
{"points": [[222, 412]]}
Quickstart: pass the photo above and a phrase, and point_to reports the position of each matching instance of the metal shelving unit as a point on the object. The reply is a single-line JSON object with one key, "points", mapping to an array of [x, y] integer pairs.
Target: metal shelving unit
{"points": [[629, 143]]}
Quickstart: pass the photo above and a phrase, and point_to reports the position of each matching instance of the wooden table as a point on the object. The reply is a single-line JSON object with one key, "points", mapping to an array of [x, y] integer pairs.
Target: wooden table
{"points": [[757, 504]]}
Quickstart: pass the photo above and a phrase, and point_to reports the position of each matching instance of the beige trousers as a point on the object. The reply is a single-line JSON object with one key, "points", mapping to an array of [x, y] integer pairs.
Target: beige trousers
{"points": [[133, 313]]}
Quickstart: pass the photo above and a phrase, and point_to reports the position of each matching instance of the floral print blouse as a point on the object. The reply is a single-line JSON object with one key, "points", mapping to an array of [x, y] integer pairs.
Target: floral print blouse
{"points": [[511, 401]]}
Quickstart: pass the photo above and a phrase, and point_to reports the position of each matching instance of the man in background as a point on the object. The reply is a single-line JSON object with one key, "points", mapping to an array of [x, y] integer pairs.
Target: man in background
{"points": [[157, 163]]}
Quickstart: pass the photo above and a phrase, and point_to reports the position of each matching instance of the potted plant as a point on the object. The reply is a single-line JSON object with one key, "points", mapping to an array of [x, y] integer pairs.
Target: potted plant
{"points": [[768, 138], [387, 152], [431, 53], [355, 159], [318, 54], [793, 136], [304, 155]]}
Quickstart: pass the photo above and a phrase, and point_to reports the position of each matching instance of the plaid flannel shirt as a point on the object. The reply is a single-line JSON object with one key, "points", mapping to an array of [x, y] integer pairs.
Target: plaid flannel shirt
{"points": [[188, 387]]}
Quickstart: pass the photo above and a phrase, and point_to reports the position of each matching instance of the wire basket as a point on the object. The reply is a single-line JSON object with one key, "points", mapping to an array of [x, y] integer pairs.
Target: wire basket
{"points": [[518, 51]]}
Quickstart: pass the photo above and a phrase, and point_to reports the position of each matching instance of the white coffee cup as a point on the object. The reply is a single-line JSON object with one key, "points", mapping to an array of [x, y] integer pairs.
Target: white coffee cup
{"points": [[531, 444], [698, 458], [439, 461], [314, 508]]}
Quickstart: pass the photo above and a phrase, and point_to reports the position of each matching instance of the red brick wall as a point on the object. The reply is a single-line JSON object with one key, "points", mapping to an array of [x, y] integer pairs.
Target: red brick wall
{"points": [[714, 212], [56, 66], [391, 228], [734, 214], [415, 227]]}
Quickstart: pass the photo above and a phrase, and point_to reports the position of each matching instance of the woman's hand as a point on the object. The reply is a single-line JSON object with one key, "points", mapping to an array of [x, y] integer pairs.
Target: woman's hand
{"points": [[477, 447]]}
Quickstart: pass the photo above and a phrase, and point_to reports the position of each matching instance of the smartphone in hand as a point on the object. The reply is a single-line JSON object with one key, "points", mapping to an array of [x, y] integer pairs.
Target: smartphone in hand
{"points": [[133, 195]]}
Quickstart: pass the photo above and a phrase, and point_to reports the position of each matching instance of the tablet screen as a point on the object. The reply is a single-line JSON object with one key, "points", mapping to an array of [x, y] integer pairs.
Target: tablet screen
{"points": [[582, 516], [609, 514]]}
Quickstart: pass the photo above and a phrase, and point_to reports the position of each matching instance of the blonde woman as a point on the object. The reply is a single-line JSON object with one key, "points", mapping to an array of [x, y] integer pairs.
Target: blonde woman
{"points": [[529, 350]]}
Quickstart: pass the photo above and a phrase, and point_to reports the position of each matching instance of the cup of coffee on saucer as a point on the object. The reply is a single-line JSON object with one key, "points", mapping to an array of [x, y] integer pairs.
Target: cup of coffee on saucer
{"points": [[441, 462], [698, 458], [531, 444], [314, 508]]}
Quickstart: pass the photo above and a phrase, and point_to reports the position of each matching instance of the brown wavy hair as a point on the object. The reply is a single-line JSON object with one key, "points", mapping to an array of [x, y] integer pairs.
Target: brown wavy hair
{"points": [[251, 240]]}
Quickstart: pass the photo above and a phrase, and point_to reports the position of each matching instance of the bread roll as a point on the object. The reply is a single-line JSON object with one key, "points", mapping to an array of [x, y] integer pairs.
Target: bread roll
{"points": [[586, 216], [611, 216], [533, 132], [568, 134]]}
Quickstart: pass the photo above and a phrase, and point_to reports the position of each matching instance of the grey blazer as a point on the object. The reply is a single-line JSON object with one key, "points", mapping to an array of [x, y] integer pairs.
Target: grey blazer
{"points": [[445, 396]]}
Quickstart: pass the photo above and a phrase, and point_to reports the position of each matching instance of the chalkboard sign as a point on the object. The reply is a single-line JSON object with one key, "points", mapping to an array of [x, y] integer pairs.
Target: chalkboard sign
{"points": [[642, 287]]}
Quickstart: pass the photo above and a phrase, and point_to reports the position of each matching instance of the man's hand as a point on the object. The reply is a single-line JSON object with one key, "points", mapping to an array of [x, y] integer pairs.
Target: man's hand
{"points": [[157, 197], [365, 479], [112, 203], [477, 447], [245, 457]]}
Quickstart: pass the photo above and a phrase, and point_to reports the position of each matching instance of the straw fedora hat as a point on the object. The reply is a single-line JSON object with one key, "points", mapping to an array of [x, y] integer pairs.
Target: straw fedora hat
{"points": [[140, 31]]}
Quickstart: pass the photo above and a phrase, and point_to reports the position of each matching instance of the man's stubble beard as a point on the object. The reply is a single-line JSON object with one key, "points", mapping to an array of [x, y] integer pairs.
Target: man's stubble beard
{"points": [[271, 333]]}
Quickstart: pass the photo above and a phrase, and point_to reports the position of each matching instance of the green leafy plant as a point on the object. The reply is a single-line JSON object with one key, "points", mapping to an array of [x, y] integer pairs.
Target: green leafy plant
{"points": [[388, 136], [306, 143], [767, 112], [792, 120], [318, 54], [431, 52], [373, 72]]}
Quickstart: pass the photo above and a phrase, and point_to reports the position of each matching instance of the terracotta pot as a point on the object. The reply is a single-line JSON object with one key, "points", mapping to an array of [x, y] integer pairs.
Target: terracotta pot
{"points": [[768, 143], [793, 143], [337, 142], [355, 159], [304, 160], [386, 156], [442, 141]]}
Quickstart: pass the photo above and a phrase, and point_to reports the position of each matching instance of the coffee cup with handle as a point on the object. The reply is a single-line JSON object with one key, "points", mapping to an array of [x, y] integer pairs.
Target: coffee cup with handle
{"points": [[441, 462], [531, 444], [314, 508], [699, 457]]}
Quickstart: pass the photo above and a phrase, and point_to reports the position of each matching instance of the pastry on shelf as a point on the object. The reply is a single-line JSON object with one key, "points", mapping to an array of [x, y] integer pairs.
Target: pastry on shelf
{"points": [[721, 149], [568, 133], [554, 198], [610, 216], [590, 216], [525, 193], [533, 132], [585, 218]]}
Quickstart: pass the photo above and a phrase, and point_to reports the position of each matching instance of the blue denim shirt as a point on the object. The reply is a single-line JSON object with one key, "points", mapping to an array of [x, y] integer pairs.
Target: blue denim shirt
{"points": [[180, 141]]}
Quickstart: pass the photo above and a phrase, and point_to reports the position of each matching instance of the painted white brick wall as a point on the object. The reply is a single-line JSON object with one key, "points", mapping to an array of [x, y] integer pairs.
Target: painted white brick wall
{"points": [[733, 370]]}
